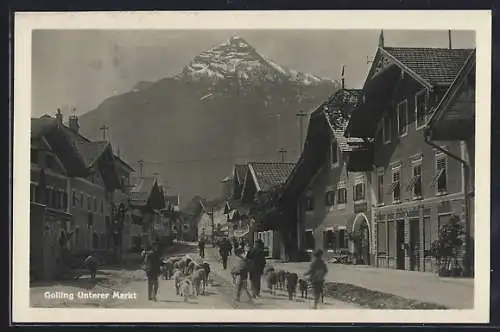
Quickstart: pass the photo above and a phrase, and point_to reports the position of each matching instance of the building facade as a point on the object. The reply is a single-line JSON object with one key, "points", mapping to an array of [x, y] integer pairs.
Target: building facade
{"points": [[417, 187]]}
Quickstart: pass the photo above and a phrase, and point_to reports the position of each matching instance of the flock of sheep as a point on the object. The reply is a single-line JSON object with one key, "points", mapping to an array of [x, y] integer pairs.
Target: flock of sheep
{"points": [[190, 276]]}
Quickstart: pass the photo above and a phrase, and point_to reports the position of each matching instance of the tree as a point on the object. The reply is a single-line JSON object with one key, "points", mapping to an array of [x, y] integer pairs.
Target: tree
{"points": [[267, 212], [445, 248]]}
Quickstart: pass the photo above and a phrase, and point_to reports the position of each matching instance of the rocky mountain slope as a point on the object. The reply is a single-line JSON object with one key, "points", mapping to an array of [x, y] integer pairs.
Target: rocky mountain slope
{"points": [[229, 104]]}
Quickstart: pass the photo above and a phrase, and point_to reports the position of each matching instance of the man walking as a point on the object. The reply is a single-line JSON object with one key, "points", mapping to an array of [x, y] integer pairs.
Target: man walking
{"points": [[257, 260], [239, 272], [90, 263], [152, 262], [317, 272], [201, 247], [224, 252]]}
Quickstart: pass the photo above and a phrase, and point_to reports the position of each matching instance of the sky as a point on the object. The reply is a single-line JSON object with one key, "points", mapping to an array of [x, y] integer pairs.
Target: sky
{"points": [[80, 69]]}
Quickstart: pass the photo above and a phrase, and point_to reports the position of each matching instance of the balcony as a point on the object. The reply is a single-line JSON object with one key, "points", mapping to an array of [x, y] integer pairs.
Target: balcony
{"points": [[360, 206]]}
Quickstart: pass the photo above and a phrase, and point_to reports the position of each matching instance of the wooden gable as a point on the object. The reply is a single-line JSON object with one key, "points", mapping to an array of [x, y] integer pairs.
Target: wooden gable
{"points": [[380, 63]]}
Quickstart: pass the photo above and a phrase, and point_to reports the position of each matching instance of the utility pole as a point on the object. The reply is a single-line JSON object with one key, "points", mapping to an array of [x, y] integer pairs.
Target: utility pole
{"points": [[301, 115], [213, 225], [141, 166], [282, 152], [449, 39], [104, 130]]}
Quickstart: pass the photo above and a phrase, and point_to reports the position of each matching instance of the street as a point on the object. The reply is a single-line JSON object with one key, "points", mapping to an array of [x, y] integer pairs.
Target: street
{"points": [[122, 288]]}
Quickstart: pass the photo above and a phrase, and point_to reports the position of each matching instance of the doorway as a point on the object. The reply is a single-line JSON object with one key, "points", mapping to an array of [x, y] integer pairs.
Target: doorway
{"points": [[414, 249], [400, 242]]}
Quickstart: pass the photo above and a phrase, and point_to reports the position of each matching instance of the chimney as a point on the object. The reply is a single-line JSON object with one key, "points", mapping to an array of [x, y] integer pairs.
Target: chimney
{"points": [[449, 39], [343, 77], [381, 39], [59, 117], [73, 122]]}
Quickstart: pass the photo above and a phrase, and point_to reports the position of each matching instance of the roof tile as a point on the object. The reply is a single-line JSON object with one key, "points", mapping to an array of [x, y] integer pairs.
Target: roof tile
{"points": [[269, 174], [438, 66]]}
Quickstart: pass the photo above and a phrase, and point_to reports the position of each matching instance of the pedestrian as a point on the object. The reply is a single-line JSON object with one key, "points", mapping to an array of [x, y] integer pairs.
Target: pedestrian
{"points": [[201, 247], [90, 262], [239, 272], [152, 263], [257, 260], [224, 253], [317, 272]]}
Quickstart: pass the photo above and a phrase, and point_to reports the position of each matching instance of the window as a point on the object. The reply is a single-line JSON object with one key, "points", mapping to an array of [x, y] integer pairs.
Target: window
{"points": [[89, 203], [341, 195], [309, 240], [441, 176], [427, 236], [396, 184], [95, 204], [421, 99], [359, 190], [380, 188], [102, 206], [34, 156], [381, 239], [328, 240], [309, 202], [402, 114], [391, 250], [387, 128], [73, 198], [81, 200], [417, 180], [334, 153], [330, 198], [90, 219]]}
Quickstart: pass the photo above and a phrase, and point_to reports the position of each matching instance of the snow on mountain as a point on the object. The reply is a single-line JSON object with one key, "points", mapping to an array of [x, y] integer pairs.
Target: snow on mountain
{"points": [[237, 58]]}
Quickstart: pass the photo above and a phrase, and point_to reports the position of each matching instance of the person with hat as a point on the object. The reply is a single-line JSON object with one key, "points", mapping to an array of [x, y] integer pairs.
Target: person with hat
{"points": [[257, 261], [317, 272], [152, 266]]}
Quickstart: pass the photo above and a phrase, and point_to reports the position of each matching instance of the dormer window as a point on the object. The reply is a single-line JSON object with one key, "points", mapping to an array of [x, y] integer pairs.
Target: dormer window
{"points": [[402, 114]]}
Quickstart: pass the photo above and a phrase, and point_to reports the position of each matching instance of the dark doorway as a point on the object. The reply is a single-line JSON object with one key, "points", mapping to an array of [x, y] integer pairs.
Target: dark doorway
{"points": [[400, 245], [414, 245], [364, 243]]}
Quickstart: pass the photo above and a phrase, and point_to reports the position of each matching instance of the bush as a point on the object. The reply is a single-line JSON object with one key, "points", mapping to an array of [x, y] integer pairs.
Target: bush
{"points": [[445, 248]]}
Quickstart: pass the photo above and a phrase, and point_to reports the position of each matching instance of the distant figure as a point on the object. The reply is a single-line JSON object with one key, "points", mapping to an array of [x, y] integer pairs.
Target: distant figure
{"points": [[201, 247], [257, 260], [90, 262], [224, 251], [317, 272], [152, 266]]}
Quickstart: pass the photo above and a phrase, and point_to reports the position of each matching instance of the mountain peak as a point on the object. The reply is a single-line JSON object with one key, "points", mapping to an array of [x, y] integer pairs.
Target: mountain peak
{"points": [[236, 57]]}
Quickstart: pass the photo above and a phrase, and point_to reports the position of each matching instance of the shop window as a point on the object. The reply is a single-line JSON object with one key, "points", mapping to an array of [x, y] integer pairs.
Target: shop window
{"points": [[417, 180], [342, 239], [381, 238], [309, 240], [441, 179], [396, 184], [329, 240], [380, 188], [421, 108], [330, 198], [402, 114], [427, 236], [341, 196]]}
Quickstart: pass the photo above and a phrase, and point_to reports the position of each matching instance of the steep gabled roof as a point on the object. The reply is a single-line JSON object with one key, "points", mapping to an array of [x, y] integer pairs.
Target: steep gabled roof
{"points": [[337, 110], [240, 172], [450, 94], [269, 174], [437, 66], [40, 125], [141, 190], [88, 150]]}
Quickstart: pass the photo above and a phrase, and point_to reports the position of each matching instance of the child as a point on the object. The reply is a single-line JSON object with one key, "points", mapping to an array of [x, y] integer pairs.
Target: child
{"points": [[317, 272], [240, 274]]}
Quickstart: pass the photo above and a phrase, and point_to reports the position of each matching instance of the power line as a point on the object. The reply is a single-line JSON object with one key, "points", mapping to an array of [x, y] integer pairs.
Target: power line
{"points": [[185, 161]]}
